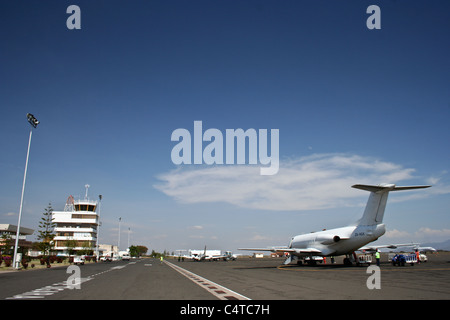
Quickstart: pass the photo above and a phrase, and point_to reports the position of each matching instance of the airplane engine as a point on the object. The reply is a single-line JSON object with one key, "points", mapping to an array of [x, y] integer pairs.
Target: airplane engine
{"points": [[328, 239]]}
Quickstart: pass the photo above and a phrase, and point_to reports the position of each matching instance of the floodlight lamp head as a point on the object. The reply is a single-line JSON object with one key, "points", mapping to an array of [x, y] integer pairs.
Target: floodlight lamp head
{"points": [[32, 120]]}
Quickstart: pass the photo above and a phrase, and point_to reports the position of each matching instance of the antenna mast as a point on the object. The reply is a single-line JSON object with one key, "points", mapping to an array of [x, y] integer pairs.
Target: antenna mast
{"points": [[87, 188], [69, 204]]}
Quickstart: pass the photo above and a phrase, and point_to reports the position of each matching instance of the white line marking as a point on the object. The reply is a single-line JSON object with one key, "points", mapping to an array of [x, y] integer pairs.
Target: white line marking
{"points": [[45, 291], [216, 289], [56, 287], [118, 267]]}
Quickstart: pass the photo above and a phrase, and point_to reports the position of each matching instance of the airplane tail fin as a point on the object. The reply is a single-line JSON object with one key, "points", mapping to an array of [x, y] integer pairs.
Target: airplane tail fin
{"points": [[374, 212]]}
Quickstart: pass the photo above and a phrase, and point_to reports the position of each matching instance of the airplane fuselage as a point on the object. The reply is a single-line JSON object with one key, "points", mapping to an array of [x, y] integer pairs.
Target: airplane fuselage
{"points": [[337, 241]]}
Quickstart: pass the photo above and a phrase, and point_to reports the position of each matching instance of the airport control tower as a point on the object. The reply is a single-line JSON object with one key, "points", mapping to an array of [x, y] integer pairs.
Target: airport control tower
{"points": [[76, 226]]}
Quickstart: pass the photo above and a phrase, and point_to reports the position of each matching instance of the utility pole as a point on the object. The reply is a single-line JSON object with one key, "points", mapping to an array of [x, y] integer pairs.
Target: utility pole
{"points": [[118, 242]]}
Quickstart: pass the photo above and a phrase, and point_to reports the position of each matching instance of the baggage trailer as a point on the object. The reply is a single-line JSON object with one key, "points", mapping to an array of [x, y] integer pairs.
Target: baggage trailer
{"points": [[364, 259], [359, 259], [403, 259]]}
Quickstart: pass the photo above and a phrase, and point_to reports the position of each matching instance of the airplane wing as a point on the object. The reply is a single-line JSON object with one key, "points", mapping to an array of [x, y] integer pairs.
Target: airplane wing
{"points": [[391, 187], [185, 257], [270, 249], [388, 246], [286, 249], [424, 249]]}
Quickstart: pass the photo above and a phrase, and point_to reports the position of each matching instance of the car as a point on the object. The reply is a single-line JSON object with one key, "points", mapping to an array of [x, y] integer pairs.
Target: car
{"points": [[79, 260], [106, 258]]}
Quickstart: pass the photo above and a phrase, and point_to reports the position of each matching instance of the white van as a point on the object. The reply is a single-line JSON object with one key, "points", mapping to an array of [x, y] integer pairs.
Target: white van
{"points": [[126, 257]]}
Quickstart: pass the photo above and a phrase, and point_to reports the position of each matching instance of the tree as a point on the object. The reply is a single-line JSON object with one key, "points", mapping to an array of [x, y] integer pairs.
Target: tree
{"points": [[46, 230], [87, 250], [70, 244], [137, 251], [6, 243]]}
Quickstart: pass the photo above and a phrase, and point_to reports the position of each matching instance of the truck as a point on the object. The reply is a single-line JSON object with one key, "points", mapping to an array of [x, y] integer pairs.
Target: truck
{"points": [[229, 256]]}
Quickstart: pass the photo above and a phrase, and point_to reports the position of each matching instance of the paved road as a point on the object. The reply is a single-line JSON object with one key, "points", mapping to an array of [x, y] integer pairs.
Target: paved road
{"points": [[255, 279], [144, 279]]}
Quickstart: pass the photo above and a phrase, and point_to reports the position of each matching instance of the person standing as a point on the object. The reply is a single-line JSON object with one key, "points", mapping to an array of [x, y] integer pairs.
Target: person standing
{"points": [[377, 257], [418, 256]]}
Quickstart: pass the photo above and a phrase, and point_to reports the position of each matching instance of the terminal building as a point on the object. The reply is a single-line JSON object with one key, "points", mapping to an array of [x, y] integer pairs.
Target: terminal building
{"points": [[8, 234], [77, 226]]}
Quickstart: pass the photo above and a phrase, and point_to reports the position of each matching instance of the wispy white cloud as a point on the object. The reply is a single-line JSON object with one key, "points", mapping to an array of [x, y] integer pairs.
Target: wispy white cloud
{"points": [[319, 181], [397, 234], [433, 233], [196, 236], [196, 227], [423, 234], [258, 237]]}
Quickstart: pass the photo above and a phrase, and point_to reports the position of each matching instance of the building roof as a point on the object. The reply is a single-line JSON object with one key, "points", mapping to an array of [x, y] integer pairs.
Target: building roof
{"points": [[13, 228]]}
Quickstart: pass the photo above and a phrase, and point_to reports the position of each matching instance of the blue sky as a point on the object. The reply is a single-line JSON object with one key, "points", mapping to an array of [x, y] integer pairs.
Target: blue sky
{"points": [[352, 105]]}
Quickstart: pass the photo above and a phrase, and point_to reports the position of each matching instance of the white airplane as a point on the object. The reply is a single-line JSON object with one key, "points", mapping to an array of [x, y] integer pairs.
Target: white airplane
{"points": [[195, 255], [198, 255], [426, 249], [345, 240], [213, 255]]}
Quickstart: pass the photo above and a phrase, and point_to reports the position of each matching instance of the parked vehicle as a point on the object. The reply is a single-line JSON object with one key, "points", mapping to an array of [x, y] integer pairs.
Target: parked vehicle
{"points": [[126, 256], [79, 260], [401, 259]]}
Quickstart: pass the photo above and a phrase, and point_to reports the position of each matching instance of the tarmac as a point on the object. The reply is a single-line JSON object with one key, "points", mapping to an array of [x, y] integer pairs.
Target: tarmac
{"points": [[269, 279]]}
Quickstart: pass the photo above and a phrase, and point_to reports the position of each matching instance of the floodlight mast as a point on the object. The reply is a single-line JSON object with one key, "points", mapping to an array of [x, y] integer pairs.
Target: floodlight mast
{"points": [[97, 250], [33, 122]]}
